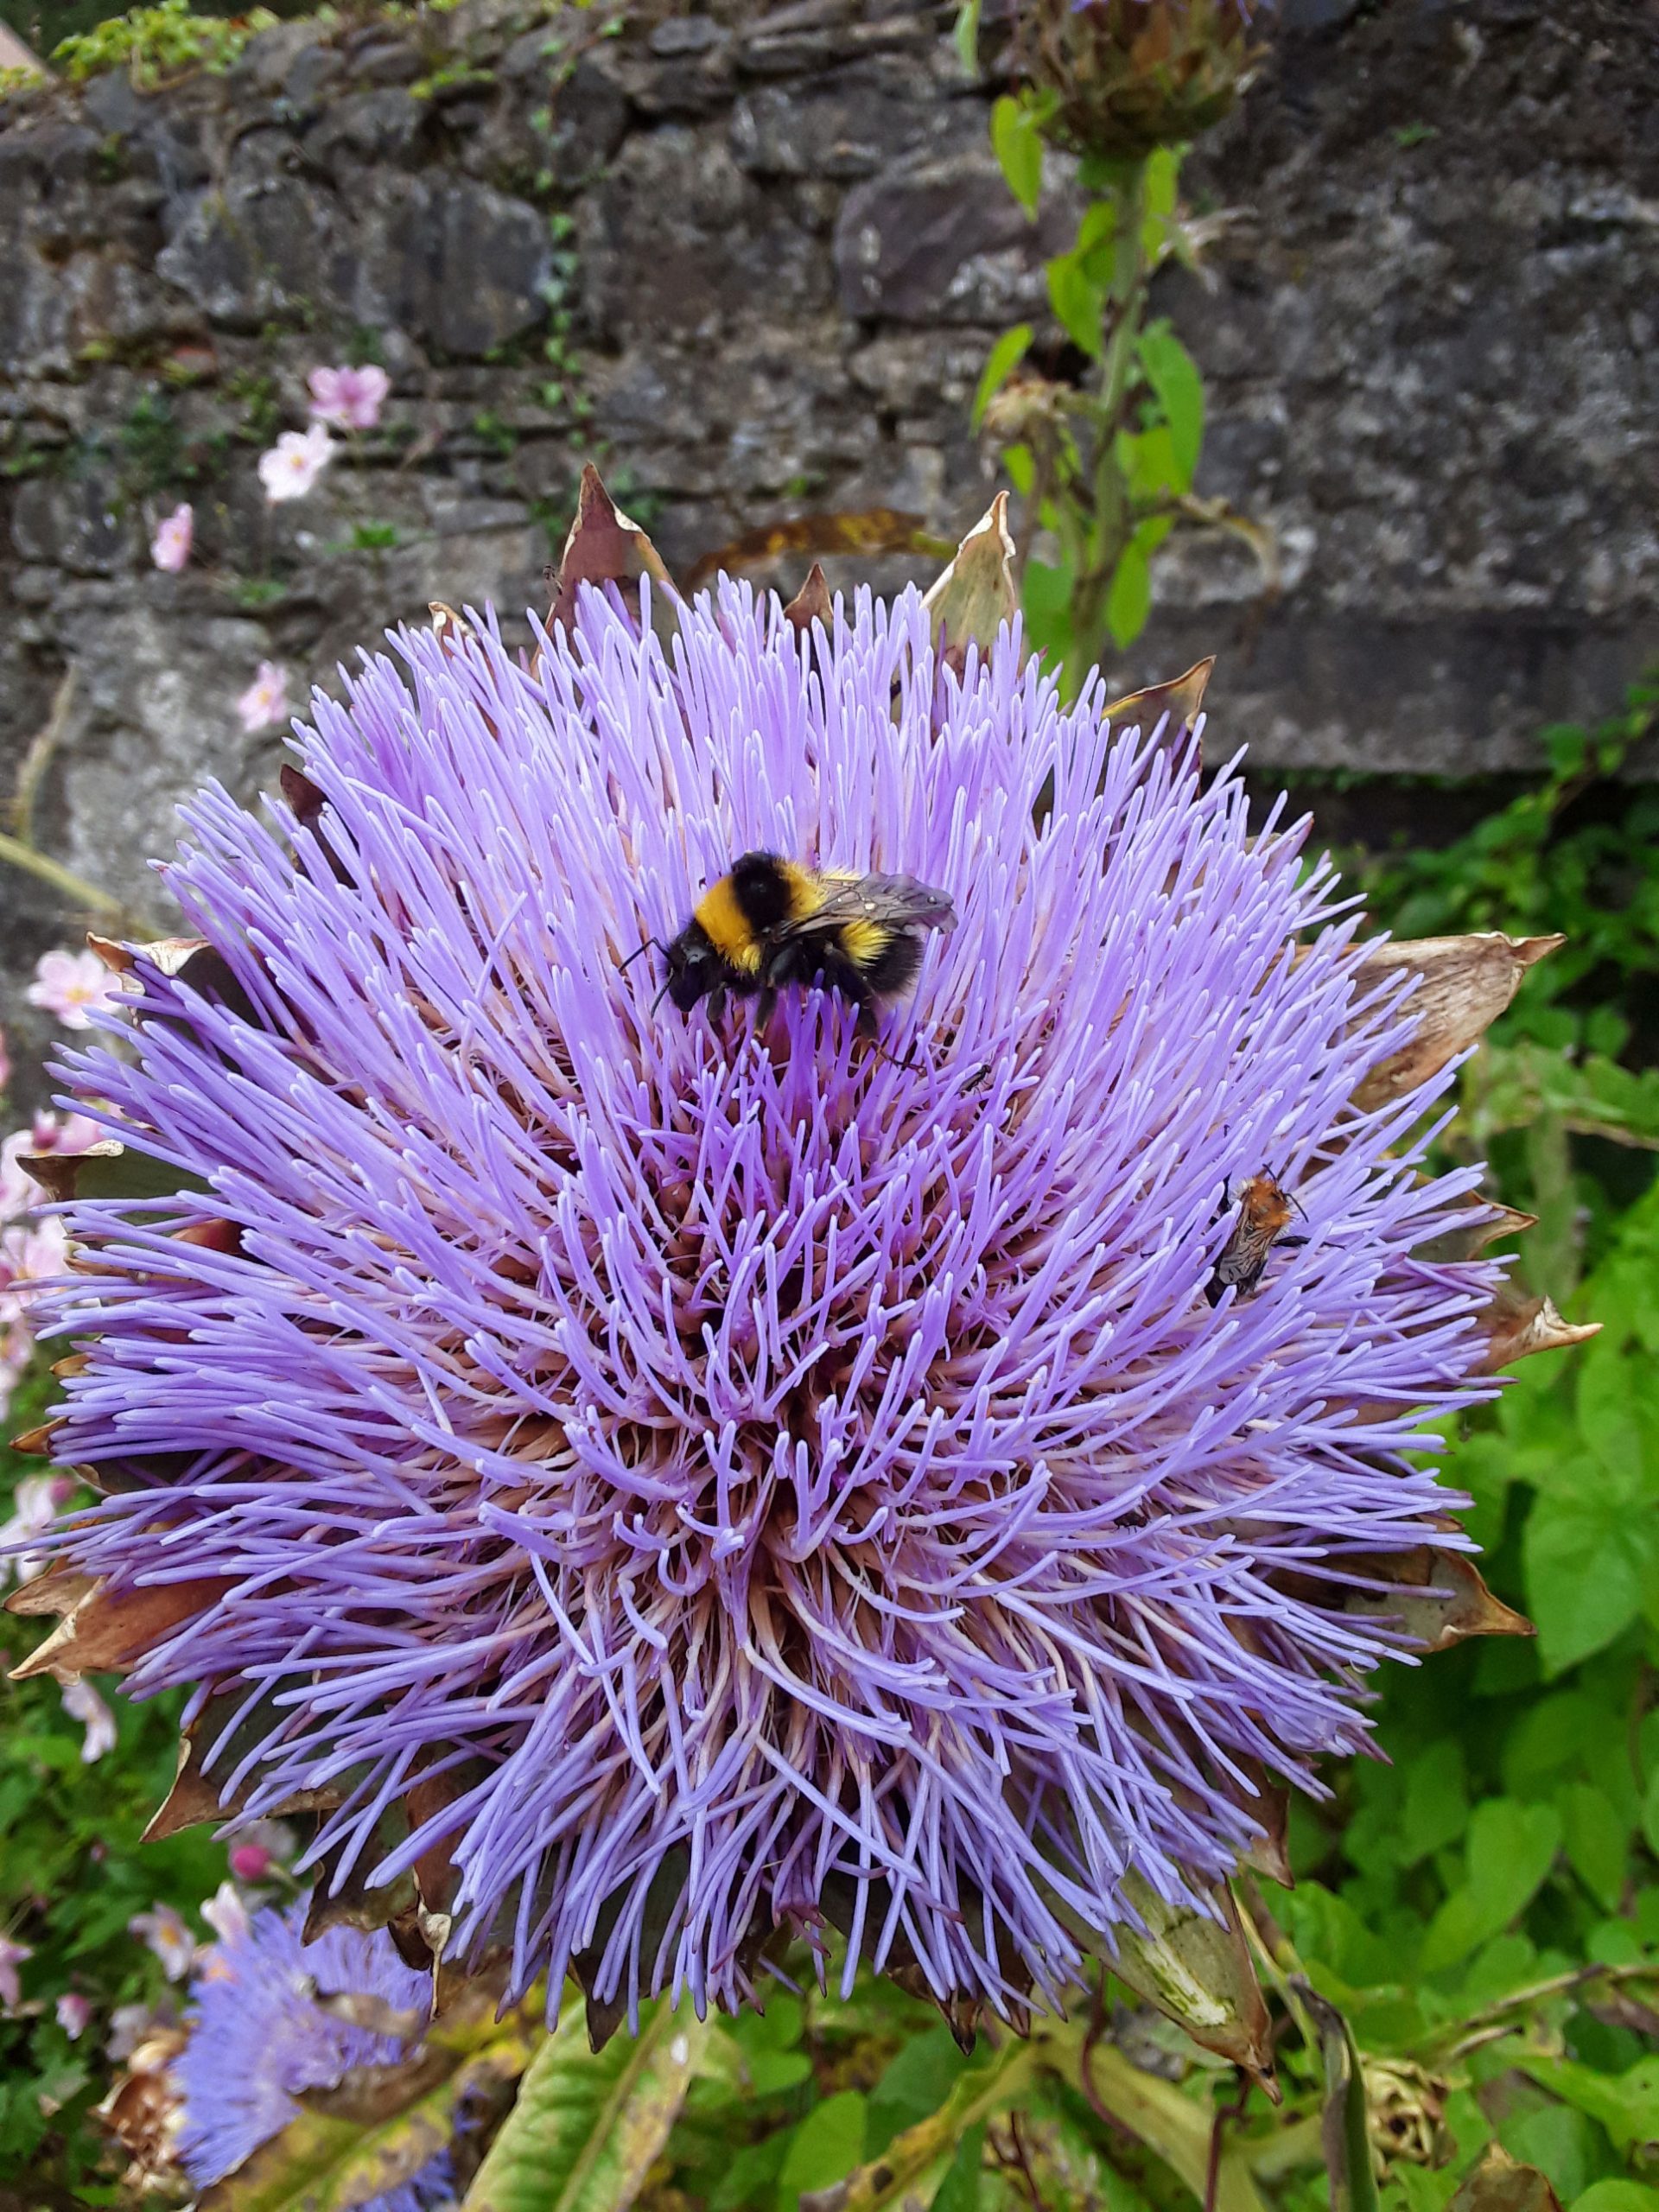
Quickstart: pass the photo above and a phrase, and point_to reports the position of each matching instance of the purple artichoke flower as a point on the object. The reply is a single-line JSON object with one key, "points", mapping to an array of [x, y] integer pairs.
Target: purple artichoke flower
{"points": [[260, 2032], [650, 1486]]}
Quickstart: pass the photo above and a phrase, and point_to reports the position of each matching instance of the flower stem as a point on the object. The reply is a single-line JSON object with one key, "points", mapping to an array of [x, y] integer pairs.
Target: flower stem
{"points": [[62, 879]]}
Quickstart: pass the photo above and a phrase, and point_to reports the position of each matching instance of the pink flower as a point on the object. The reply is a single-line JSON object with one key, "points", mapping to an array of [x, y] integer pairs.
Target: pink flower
{"points": [[251, 1862], [72, 985], [351, 398], [82, 1703], [295, 462], [166, 1934], [170, 547], [11, 1957], [265, 700], [74, 2011]]}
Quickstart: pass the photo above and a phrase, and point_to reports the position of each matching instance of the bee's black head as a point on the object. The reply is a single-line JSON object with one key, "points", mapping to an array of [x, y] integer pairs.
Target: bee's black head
{"points": [[693, 967]]}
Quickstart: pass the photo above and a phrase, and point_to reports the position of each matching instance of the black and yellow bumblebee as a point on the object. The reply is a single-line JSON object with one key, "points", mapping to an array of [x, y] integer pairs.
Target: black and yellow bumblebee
{"points": [[773, 922]]}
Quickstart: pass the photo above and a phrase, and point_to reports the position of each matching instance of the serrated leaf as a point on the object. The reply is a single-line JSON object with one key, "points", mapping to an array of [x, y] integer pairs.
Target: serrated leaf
{"points": [[588, 2125], [1018, 146]]}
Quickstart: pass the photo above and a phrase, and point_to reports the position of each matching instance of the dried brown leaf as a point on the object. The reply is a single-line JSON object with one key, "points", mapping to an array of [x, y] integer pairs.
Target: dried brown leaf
{"points": [[1466, 983], [106, 1630]]}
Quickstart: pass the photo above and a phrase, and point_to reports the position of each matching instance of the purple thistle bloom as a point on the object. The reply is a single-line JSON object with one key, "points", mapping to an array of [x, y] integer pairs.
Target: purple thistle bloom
{"points": [[743, 1480], [258, 2037]]}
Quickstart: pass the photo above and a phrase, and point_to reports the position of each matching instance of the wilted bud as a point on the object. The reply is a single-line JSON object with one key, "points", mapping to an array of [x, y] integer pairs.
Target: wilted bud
{"points": [[1128, 75], [1406, 2109]]}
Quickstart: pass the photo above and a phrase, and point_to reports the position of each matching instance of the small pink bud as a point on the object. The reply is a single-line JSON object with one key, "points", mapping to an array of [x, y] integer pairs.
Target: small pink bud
{"points": [[251, 1862]]}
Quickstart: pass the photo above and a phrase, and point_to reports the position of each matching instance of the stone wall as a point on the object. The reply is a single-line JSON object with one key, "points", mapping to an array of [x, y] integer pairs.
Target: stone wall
{"points": [[782, 250]]}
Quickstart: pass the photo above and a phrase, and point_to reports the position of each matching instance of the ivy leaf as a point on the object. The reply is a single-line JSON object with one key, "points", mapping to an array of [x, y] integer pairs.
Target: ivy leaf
{"points": [[587, 2125], [1000, 363], [1019, 149], [1174, 376]]}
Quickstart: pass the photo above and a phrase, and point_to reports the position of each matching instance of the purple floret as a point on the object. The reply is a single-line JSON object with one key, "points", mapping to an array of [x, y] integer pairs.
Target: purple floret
{"points": [[258, 2038], [763, 1481]]}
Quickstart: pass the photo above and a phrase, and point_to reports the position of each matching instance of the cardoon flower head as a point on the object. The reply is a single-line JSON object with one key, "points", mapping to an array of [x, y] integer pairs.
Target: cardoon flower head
{"points": [[261, 2030], [1124, 76], [650, 1485]]}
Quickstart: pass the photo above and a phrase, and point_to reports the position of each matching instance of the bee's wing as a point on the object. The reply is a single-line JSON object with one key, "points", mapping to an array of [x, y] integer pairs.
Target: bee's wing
{"points": [[896, 901]]}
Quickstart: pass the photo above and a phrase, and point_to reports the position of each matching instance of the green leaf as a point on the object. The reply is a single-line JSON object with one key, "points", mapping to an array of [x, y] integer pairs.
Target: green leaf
{"points": [[1627, 2104], [959, 2190], [1174, 376], [1129, 601], [1437, 1800], [587, 2126], [1000, 363], [966, 36], [1079, 302], [824, 2148], [1019, 149], [1617, 2195], [916, 2083], [1510, 1850], [1588, 1556], [1344, 2130], [1596, 1841]]}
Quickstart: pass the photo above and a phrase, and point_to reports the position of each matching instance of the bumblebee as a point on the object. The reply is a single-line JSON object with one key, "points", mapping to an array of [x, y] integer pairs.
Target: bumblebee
{"points": [[773, 922], [1264, 1212]]}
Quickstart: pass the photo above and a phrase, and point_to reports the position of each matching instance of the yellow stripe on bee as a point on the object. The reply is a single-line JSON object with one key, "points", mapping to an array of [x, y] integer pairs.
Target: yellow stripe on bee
{"points": [[722, 921], [806, 892], [864, 942]]}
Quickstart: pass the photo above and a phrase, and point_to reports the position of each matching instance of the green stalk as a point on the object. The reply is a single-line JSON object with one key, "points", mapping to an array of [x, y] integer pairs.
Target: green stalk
{"points": [[60, 878], [1113, 522]]}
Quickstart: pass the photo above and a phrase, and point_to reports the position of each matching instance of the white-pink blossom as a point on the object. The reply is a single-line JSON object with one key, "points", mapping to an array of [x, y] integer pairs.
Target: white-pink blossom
{"points": [[72, 985], [82, 1703], [128, 2025], [35, 1504], [169, 549], [293, 465], [265, 700], [226, 1915], [165, 1933], [11, 1957], [74, 2011], [350, 398]]}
